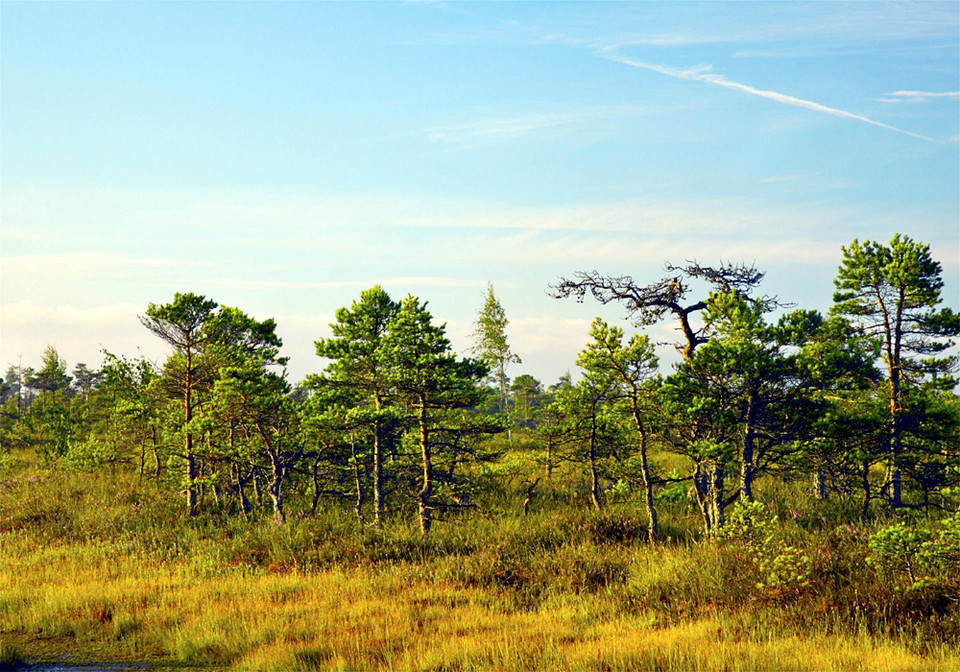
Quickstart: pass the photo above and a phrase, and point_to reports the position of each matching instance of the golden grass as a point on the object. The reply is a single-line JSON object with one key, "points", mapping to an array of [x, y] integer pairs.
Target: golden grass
{"points": [[95, 600]]}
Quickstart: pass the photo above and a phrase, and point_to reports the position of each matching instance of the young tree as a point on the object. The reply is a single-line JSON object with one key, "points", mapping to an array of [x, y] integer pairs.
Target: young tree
{"points": [[50, 423], [206, 342], [52, 376], [85, 379], [12, 411], [632, 367], [433, 383], [699, 424], [892, 292], [491, 343], [180, 324], [359, 369], [591, 423], [120, 415], [258, 400], [527, 396]]}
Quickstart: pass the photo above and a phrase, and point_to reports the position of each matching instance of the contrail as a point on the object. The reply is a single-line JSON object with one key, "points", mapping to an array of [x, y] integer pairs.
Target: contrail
{"points": [[702, 74]]}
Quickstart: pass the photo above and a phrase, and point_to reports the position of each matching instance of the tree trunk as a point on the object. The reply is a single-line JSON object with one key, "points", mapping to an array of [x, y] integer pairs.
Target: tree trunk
{"points": [[358, 481], [378, 507], [156, 454], [276, 492], [256, 486], [595, 495], [653, 527], [701, 489], [316, 486], [747, 456], [865, 480], [201, 488], [426, 491], [191, 490], [820, 484], [242, 496], [188, 439], [716, 487], [893, 484]]}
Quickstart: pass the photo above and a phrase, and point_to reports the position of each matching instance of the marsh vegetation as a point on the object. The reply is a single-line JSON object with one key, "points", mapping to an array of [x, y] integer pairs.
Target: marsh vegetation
{"points": [[786, 498]]}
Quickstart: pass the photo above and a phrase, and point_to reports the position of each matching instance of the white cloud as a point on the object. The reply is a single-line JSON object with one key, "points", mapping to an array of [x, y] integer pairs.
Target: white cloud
{"points": [[385, 228], [78, 334], [23, 313]]}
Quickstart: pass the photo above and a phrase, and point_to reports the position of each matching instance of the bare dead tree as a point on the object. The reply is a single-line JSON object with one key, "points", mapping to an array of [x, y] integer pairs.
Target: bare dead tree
{"points": [[651, 303]]}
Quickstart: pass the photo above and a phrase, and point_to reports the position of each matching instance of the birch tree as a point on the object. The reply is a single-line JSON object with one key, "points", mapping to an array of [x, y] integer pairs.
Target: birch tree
{"points": [[492, 347]]}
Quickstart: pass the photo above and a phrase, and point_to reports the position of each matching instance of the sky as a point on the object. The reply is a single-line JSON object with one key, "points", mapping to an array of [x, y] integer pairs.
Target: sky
{"points": [[281, 157]]}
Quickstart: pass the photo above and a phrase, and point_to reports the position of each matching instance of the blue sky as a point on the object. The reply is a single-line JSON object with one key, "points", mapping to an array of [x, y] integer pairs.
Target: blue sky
{"points": [[282, 157]]}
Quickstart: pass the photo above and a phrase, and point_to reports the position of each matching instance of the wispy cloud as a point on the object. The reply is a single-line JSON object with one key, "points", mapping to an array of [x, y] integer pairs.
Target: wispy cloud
{"points": [[495, 128], [703, 74], [810, 182], [510, 127], [918, 96], [421, 281], [86, 262], [775, 179]]}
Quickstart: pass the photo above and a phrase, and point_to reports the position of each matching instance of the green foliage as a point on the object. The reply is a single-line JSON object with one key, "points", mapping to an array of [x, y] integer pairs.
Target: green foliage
{"points": [[893, 292], [921, 555], [782, 568]]}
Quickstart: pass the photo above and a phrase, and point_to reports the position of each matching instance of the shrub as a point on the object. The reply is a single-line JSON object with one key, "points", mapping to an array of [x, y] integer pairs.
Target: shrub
{"points": [[781, 568], [917, 553]]}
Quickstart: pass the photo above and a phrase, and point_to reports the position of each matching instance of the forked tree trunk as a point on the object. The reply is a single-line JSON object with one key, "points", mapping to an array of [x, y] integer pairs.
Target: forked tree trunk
{"points": [[701, 489]]}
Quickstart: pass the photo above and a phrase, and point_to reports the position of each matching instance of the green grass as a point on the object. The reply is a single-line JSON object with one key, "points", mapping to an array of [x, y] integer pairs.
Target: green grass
{"points": [[105, 567]]}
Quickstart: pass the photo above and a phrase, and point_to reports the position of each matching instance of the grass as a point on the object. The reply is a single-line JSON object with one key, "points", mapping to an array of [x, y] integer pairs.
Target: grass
{"points": [[103, 567]]}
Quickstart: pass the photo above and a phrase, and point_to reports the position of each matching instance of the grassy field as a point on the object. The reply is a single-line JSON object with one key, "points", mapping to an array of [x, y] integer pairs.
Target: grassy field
{"points": [[104, 567]]}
